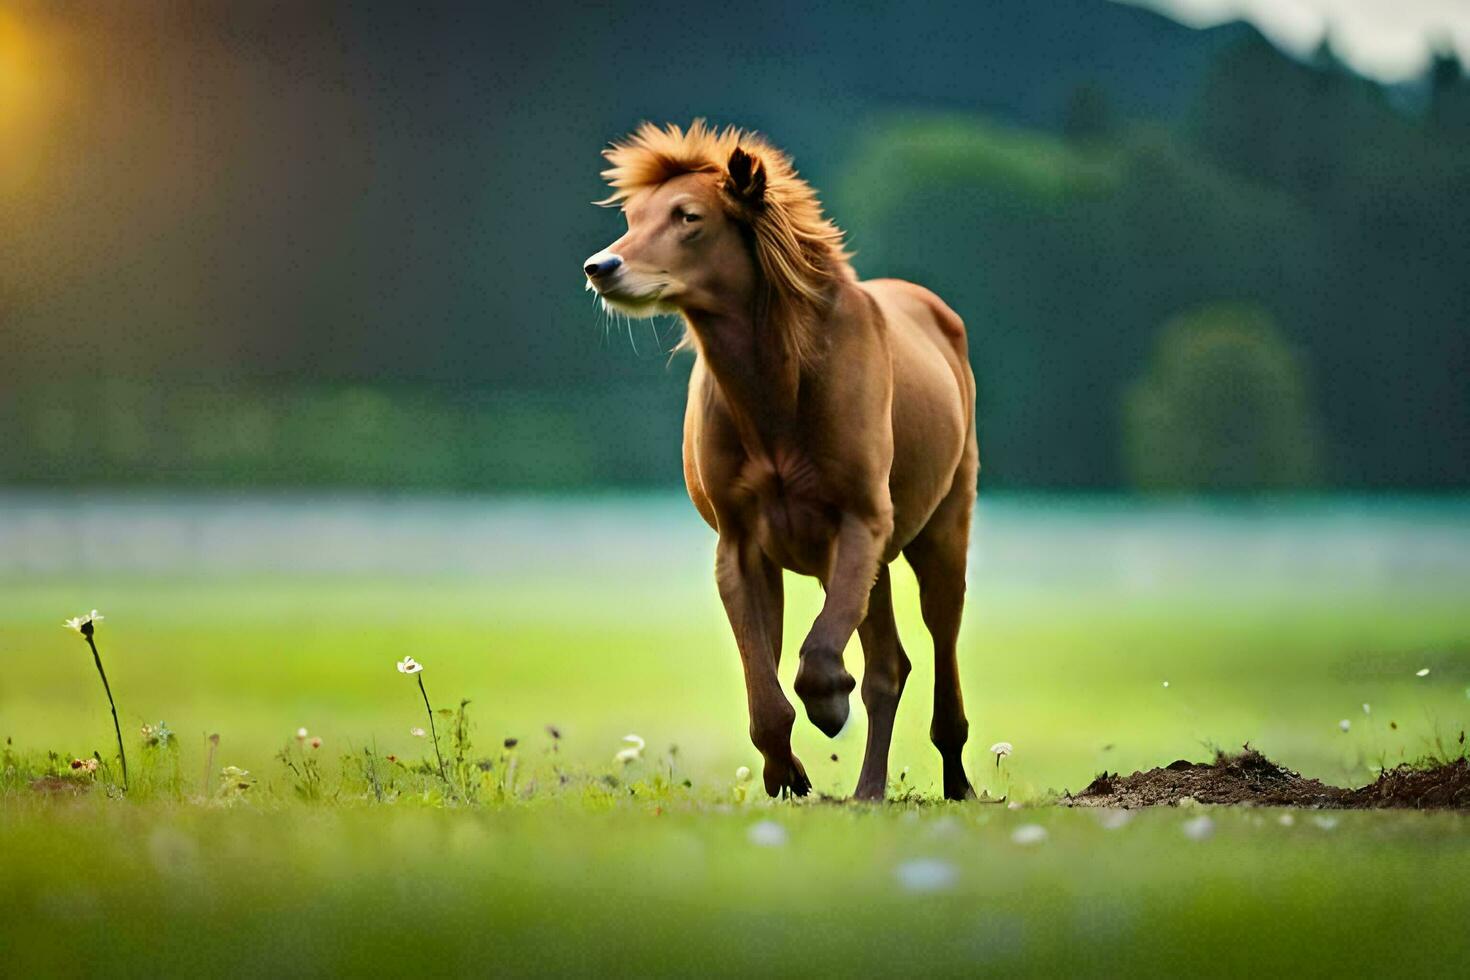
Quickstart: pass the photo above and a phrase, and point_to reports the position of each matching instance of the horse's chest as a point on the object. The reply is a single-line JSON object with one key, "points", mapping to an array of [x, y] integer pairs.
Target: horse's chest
{"points": [[794, 518]]}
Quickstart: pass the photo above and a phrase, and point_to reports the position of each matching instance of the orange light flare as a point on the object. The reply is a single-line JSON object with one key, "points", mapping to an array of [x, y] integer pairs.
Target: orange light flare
{"points": [[29, 92]]}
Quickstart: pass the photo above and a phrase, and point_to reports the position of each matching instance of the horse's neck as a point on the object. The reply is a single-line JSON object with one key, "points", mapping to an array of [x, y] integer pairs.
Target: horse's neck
{"points": [[758, 376]]}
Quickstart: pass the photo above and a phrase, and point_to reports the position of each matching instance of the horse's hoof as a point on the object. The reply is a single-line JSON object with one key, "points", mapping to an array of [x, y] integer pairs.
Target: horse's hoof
{"points": [[786, 778], [956, 783], [960, 793], [828, 713], [823, 686]]}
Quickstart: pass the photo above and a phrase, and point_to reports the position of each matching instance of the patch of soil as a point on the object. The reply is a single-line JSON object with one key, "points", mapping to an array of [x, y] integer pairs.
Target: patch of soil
{"points": [[1246, 778], [1444, 786], [1250, 779]]}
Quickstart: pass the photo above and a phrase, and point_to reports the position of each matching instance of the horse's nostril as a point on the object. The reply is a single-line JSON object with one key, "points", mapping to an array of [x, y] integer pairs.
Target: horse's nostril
{"points": [[601, 265]]}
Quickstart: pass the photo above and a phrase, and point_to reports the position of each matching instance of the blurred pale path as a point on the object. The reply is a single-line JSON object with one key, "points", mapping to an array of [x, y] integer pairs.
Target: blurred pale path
{"points": [[254, 615], [1018, 541]]}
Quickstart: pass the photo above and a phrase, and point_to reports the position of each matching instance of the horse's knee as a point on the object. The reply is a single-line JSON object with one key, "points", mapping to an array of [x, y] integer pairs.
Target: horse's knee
{"points": [[883, 682], [949, 733]]}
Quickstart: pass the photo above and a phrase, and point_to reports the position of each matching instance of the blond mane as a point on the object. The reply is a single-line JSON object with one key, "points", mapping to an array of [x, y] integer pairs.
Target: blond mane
{"points": [[800, 252]]}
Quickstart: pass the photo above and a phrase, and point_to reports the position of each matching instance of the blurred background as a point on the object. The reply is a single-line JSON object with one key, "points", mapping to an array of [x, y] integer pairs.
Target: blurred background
{"points": [[294, 345], [283, 245]]}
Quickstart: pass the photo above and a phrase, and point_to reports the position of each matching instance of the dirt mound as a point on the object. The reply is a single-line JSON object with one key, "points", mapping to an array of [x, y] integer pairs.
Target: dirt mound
{"points": [[1444, 786], [1247, 778], [1251, 779]]}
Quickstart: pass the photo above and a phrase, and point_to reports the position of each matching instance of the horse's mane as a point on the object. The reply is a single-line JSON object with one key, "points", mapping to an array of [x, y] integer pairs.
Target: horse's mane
{"points": [[799, 250]]}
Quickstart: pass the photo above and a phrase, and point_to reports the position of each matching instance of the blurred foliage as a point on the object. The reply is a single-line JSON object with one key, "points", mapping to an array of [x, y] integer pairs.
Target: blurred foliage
{"points": [[1296, 189], [293, 434], [397, 303], [1223, 406]]}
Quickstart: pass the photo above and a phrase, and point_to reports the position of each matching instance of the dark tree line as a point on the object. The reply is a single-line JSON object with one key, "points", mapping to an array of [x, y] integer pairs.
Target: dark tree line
{"points": [[1294, 192], [344, 248]]}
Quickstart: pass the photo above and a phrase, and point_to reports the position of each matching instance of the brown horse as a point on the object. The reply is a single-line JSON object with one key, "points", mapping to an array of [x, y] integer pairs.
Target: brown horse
{"points": [[830, 426]]}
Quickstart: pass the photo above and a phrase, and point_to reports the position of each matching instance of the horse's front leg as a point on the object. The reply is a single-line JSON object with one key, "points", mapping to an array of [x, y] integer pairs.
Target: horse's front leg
{"points": [[822, 683], [750, 588]]}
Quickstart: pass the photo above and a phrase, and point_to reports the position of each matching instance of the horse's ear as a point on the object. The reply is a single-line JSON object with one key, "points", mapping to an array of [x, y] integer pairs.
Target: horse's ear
{"points": [[746, 179]]}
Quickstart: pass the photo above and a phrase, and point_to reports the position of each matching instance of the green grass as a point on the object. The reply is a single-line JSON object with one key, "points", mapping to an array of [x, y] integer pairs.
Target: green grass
{"points": [[128, 890], [645, 874]]}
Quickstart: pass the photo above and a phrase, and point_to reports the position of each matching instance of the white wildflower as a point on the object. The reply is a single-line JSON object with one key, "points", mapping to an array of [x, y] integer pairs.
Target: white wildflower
{"points": [[83, 624], [741, 788], [1000, 750], [1345, 724], [633, 752], [417, 732], [409, 666], [926, 875], [767, 833], [1028, 834], [1199, 828], [1422, 672]]}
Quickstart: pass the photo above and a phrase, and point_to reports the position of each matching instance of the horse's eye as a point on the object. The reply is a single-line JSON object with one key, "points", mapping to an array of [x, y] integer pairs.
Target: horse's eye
{"points": [[687, 217]]}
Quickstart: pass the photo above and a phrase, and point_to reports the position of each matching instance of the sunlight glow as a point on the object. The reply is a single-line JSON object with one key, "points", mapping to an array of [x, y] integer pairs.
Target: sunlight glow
{"points": [[23, 99]]}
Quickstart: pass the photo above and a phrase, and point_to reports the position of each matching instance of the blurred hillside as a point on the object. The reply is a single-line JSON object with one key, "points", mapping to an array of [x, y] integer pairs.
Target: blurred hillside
{"points": [[287, 245]]}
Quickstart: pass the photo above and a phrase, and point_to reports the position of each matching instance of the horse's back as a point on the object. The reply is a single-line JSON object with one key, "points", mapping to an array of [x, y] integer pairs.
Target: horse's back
{"points": [[922, 308]]}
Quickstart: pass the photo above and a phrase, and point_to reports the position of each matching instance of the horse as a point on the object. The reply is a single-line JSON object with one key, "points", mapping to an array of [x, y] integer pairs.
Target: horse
{"points": [[830, 427]]}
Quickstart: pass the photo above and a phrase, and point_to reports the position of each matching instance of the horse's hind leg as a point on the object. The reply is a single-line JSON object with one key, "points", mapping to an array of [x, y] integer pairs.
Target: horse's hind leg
{"points": [[938, 557], [885, 667]]}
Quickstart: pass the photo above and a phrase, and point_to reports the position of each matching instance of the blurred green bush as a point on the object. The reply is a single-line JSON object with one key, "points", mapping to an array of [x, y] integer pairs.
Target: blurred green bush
{"points": [[289, 433], [1224, 405]]}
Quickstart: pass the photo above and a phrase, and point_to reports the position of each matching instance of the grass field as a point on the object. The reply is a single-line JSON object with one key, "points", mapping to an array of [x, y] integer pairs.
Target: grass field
{"points": [[1270, 624]]}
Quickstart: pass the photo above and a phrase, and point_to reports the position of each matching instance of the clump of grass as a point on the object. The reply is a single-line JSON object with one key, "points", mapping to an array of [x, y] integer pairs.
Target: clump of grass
{"points": [[160, 752], [87, 626], [303, 764], [1380, 749], [510, 765], [234, 783]]}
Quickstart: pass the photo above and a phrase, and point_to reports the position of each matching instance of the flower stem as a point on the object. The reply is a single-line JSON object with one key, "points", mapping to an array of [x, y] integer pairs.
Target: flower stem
{"points": [[432, 730], [97, 658], [208, 767]]}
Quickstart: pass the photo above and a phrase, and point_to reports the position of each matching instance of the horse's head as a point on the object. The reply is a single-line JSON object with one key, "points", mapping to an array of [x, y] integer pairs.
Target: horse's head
{"points": [[688, 244], [719, 225]]}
